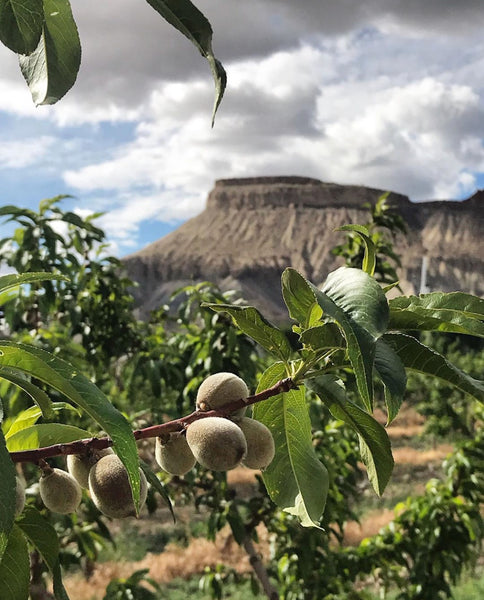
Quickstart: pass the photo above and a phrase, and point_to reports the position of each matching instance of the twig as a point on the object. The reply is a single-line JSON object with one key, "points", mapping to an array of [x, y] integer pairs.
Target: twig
{"points": [[94, 443], [259, 569]]}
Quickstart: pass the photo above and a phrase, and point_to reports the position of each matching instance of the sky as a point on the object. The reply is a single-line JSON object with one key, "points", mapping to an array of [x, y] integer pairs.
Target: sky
{"points": [[383, 93]]}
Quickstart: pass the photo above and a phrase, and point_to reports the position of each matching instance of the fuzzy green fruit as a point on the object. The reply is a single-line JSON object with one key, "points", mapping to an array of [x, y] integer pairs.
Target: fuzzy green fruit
{"points": [[110, 489], [216, 443], [174, 456], [59, 491], [260, 443], [19, 496], [79, 465], [220, 389]]}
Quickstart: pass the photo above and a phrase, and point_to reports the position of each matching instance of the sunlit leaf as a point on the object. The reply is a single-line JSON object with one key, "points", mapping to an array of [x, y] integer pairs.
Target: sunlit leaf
{"points": [[357, 303], [13, 280], [31, 415], [44, 434], [369, 258], [454, 312], [296, 480], [252, 323]]}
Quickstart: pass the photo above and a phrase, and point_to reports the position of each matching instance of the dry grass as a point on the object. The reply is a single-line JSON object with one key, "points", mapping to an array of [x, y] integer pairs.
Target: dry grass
{"points": [[178, 562], [371, 525], [410, 456], [172, 563]]}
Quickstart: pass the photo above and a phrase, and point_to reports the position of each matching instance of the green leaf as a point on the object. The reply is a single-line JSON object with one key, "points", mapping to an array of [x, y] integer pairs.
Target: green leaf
{"points": [[21, 24], [51, 69], [63, 377], [425, 360], [185, 16], [45, 434], [295, 480], [357, 303], [454, 312], [299, 298], [375, 446], [37, 395], [15, 568], [252, 323], [158, 486], [10, 281], [323, 337], [369, 259], [392, 372], [31, 415], [43, 537], [7, 494]]}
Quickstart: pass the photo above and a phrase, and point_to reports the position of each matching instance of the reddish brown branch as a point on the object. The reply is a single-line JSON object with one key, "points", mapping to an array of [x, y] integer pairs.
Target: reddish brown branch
{"points": [[83, 446]]}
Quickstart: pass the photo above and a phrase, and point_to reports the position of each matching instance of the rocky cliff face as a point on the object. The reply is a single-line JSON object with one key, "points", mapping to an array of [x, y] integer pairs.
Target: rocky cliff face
{"points": [[252, 229]]}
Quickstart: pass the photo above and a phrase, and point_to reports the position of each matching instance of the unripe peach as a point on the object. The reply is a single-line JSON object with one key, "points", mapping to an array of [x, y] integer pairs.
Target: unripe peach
{"points": [[174, 456], [219, 389], [260, 443], [110, 489], [79, 465], [216, 443], [19, 496], [59, 491]]}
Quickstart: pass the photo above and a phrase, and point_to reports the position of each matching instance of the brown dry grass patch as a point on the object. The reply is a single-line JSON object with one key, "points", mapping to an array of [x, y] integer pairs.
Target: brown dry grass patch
{"points": [[410, 456], [371, 525], [172, 563]]}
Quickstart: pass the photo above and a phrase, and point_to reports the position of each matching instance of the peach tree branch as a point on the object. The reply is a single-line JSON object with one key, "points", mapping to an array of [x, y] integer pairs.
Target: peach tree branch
{"points": [[95, 443]]}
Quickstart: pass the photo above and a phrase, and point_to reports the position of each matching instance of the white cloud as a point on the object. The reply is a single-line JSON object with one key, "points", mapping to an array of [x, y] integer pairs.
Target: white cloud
{"points": [[24, 153], [382, 92]]}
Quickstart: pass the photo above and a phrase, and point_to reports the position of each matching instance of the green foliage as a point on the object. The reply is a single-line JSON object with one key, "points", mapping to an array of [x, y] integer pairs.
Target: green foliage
{"points": [[132, 588], [347, 332], [371, 245], [44, 35], [433, 536]]}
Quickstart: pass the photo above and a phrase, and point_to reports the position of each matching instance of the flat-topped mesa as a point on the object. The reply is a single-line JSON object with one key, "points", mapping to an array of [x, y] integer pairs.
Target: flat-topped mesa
{"points": [[304, 192]]}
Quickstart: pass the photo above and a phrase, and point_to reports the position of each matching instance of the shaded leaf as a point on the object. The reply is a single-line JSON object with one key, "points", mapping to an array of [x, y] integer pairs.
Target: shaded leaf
{"points": [[425, 360], [7, 494], [392, 372], [21, 24], [15, 568], [43, 537], [51, 69], [185, 16], [375, 447], [252, 323], [295, 480], [158, 486]]}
